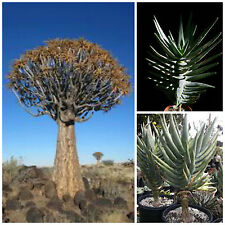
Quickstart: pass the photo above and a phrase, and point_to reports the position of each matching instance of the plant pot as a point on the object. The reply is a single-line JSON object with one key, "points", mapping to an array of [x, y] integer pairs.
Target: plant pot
{"points": [[218, 220], [168, 188], [144, 193], [150, 214], [174, 206]]}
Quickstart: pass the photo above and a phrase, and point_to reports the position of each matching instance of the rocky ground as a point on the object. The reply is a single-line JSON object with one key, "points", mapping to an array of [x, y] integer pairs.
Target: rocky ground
{"points": [[108, 197]]}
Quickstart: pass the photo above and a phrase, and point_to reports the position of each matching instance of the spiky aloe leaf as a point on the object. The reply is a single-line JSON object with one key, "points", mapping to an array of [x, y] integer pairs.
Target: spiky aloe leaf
{"points": [[146, 146], [179, 65], [185, 158]]}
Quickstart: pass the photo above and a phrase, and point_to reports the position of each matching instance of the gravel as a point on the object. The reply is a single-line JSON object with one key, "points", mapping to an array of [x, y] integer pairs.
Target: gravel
{"points": [[197, 216], [163, 201]]}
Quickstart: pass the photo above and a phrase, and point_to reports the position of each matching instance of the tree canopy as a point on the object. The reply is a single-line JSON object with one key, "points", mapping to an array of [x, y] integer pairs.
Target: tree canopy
{"points": [[68, 80], [98, 155]]}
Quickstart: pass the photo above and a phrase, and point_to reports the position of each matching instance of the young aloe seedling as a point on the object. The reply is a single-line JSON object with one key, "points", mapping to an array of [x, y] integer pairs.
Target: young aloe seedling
{"points": [[181, 63]]}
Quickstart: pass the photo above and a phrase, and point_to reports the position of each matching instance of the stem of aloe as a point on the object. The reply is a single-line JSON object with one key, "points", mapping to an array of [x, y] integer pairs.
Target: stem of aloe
{"points": [[184, 205], [155, 193]]}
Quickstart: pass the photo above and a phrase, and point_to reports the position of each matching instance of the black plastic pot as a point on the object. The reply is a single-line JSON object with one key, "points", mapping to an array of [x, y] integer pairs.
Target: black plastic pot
{"points": [[218, 220], [169, 188], [174, 206], [144, 193], [150, 214]]}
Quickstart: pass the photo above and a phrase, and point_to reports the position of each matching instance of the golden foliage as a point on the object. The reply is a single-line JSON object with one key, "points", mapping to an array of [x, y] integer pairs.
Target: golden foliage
{"points": [[68, 51]]}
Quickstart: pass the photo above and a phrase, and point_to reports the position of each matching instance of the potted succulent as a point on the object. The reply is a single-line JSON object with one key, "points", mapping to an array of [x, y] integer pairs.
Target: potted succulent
{"points": [[176, 67], [183, 162], [218, 181], [152, 205]]}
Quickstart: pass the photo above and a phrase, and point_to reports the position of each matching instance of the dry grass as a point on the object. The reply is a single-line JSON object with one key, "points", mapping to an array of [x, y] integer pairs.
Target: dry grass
{"points": [[10, 169], [116, 180]]}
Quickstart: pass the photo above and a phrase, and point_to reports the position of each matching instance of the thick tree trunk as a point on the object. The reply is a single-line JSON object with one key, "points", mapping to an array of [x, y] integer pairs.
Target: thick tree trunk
{"points": [[67, 173], [98, 162]]}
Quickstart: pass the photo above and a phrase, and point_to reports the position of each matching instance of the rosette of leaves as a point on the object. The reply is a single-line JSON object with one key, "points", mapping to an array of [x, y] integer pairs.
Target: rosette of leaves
{"points": [[185, 158], [146, 146], [180, 64]]}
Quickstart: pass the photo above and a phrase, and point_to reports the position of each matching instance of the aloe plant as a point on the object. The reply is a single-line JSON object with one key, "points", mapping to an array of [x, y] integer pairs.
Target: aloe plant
{"points": [[146, 146], [180, 63], [185, 158], [217, 179]]}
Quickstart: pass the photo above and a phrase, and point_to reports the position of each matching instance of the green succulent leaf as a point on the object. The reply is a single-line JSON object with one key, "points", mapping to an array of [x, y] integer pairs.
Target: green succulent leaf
{"points": [[183, 167], [147, 145], [176, 68]]}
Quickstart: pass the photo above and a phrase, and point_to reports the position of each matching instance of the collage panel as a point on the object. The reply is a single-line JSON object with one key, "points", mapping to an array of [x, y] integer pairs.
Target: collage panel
{"points": [[68, 112], [180, 153], [180, 167], [179, 56]]}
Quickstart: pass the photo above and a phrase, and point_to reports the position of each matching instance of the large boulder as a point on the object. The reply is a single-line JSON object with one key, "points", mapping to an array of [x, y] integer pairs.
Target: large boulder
{"points": [[130, 216], [12, 204], [29, 172], [30, 204], [120, 203], [55, 204], [34, 215], [90, 195], [92, 213], [82, 204], [6, 188], [73, 217], [79, 196], [103, 203], [50, 190], [25, 195]]}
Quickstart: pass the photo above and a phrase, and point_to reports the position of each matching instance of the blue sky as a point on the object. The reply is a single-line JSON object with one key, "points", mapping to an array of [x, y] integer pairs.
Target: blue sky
{"points": [[28, 25]]}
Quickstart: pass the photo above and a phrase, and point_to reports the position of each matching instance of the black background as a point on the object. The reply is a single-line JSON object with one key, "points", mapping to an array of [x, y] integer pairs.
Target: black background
{"points": [[149, 98]]}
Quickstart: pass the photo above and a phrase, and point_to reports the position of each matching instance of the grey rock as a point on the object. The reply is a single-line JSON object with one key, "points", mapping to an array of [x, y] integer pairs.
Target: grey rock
{"points": [[103, 202], [66, 198], [79, 196], [50, 190], [12, 204], [34, 215], [6, 188], [25, 195], [30, 204], [131, 216], [82, 204], [90, 195], [120, 203], [86, 183], [91, 213], [73, 217], [55, 204]]}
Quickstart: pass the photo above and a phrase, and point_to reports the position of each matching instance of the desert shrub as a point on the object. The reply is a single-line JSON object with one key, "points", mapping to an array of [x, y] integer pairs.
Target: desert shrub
{"points": [[129, 162], [108, 162], [10, 169]]}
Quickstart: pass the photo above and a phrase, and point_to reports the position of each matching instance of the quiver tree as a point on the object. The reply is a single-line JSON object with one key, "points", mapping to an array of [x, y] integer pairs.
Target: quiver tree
{"points": [[98, 156], [68, 80]]}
